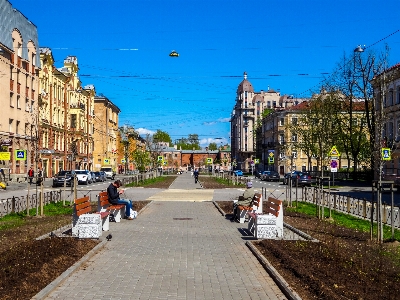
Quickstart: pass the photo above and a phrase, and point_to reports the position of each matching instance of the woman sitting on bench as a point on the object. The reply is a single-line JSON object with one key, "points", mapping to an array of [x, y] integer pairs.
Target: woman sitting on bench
{"points": [[113, 198], [246, 199]]}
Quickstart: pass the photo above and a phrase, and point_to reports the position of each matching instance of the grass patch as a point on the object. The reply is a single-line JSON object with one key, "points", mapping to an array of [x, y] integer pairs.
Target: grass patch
{"points": [[345, 220], [149, 181], [18, 219]]}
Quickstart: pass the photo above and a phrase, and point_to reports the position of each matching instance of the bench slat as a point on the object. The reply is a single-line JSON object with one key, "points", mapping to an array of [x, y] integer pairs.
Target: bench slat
{"points": [[83, 211], [81, 200]]}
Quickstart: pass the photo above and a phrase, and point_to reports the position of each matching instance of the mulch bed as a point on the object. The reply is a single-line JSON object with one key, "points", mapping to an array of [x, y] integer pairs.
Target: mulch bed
{"points": [[28, 265], [209, 182], [343, 265]]}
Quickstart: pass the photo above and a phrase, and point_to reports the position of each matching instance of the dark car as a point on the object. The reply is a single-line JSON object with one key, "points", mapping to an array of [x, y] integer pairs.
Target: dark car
{"points": [[298, 177], [270, 176], [61, 177], [100, 176], [257, 174]]}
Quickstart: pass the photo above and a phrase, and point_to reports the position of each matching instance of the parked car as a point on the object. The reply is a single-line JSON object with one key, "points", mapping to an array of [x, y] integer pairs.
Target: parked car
{"points": [[238, 172], [83, 176], [302, 178], [109, 172], [100, 176], [60, 177], [257, 174], [270, 176]]}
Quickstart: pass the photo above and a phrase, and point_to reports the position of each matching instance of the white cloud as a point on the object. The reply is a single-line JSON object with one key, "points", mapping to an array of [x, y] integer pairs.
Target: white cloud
{"points": [[224, 120], [207, 141], [144, 131]]}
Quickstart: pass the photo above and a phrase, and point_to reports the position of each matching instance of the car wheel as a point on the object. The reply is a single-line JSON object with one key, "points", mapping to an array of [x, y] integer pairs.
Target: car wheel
{"points": [[86, 182]]}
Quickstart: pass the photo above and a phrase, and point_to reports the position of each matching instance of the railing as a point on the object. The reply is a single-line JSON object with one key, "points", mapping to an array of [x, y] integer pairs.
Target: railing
{"points": [[360, 208], [19, 204], [139, 177]]}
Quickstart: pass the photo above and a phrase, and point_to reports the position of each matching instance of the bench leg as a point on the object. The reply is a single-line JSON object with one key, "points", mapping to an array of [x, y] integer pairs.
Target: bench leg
{"points": [[106, 223], [242, 215]]}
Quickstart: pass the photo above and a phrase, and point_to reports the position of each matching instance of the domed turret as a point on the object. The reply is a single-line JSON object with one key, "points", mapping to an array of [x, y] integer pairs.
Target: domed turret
{"points": [[245, 85]]}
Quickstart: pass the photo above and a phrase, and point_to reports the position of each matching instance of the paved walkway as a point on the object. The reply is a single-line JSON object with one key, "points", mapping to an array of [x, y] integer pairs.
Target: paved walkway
{"points": [[173, 250]]}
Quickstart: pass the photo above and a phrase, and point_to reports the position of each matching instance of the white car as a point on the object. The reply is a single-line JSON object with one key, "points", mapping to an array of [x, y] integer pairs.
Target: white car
{"points": [[83, 176]]}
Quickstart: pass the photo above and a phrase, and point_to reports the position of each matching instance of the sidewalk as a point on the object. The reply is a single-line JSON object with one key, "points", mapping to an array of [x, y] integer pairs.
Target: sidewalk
{"points": [[173, 250]]}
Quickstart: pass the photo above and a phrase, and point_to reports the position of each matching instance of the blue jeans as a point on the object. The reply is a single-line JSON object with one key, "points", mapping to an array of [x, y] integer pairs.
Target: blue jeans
{"points": [[128, 205]]}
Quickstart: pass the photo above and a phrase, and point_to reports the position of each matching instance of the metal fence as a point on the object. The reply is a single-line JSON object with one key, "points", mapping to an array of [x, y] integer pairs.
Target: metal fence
{"points": [[357, 207], [19, 204]]}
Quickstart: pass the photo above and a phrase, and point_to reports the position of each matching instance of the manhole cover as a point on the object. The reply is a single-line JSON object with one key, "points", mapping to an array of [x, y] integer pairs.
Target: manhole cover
{"points": [[182, 218]]}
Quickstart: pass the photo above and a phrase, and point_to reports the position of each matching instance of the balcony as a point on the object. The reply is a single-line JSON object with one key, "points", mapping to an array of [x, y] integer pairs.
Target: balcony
{"points": [[27, 92], [33, 95]]}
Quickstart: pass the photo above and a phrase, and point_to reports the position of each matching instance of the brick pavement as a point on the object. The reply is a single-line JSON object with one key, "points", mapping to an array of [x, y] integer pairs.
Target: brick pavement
{"points": [[173, 250]]}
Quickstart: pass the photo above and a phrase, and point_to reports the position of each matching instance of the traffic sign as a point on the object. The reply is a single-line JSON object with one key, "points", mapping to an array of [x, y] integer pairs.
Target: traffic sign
{"points": [[386, 155], [159, 158], [334, 152], [334, 165], [5, 155], [20, 155], [123, 160], [106, 161], [209, 160], [257, 161]]}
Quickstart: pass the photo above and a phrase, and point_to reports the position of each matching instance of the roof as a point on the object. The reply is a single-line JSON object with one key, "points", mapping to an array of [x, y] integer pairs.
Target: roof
{"points": [[245, 85]]}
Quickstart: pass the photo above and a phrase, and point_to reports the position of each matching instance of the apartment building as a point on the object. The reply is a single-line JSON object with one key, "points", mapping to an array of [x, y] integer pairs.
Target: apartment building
{"points": [[65, 116], [247, 112], [19, 67], [387, 100], [106, 135]]}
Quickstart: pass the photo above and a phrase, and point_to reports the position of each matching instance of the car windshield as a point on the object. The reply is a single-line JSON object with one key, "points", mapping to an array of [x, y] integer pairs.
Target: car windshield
{"points": [[63, 173], [80, 172], [106, 169]]}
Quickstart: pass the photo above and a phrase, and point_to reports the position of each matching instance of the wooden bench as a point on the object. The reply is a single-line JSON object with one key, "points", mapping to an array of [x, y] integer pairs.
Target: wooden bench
{"points": [[86, 224], [269, 225], [117, 210], [255, 206]]}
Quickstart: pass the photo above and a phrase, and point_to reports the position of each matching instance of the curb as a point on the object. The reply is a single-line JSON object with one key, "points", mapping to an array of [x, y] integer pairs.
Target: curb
{"points": [[278, 279], [219, 208], [60, 279], [300, 233]]}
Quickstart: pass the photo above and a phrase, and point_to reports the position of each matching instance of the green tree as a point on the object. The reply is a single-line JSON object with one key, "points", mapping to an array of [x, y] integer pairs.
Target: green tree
{"points": [[212, 146], [162, 136], [141, 159], [189, 143]]}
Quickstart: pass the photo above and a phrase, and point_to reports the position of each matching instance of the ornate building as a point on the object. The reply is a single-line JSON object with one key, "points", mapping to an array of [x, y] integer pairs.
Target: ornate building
{"points": [[246, 115], [65, 115], [19, 65]]}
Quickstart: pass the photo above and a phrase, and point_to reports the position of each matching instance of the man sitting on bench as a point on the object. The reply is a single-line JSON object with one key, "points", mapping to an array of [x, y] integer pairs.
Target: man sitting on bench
{"points": [[245, 199], [113, 198]]}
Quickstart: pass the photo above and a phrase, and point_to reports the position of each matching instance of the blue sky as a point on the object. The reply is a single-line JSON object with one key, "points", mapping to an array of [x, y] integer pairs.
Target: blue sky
{"points": [[123, 49]]}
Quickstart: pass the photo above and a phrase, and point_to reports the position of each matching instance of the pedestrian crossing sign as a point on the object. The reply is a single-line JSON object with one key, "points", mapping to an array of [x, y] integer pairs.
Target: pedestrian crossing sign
{"points": [[20, 154], [159, 158], [257, 161], [334, 152], [165, 163], [386, 154], [123, 160], [106, 161], [209, 160]]}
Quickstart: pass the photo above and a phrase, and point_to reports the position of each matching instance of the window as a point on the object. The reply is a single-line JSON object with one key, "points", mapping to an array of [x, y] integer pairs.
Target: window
{"points": [[390, 98], [355, 121], [281, 139], [274, 104], [18, 102], [281, 121], [32, 106], [16, 127], [294, 121], [10, 125], [282, 155], [294, 137], [398, 95], [73, 121], [294, 154], [12, 99]]}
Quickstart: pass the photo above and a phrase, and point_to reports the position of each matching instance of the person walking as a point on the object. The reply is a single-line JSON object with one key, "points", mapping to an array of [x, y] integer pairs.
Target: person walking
{"points": [[31, 174], [196, 175], [39, 177], [113, 198]]}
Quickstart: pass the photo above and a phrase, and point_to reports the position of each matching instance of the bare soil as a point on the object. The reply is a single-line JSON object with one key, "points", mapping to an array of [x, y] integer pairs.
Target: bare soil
{"points": [[210, 183], [28, 265], [344, 264]]}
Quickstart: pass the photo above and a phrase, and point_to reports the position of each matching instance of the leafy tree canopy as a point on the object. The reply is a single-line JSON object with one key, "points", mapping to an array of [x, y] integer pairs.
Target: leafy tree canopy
{"points": [[162, 136]]}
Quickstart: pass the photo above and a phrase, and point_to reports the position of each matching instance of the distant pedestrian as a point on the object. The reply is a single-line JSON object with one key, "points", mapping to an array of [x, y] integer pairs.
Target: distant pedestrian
{"points": [[39, 177], [196, 175], [31, 174]]}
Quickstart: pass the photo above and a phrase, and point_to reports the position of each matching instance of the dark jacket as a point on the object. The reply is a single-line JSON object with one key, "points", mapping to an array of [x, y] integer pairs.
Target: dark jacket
{"points": [[113, 195]]}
